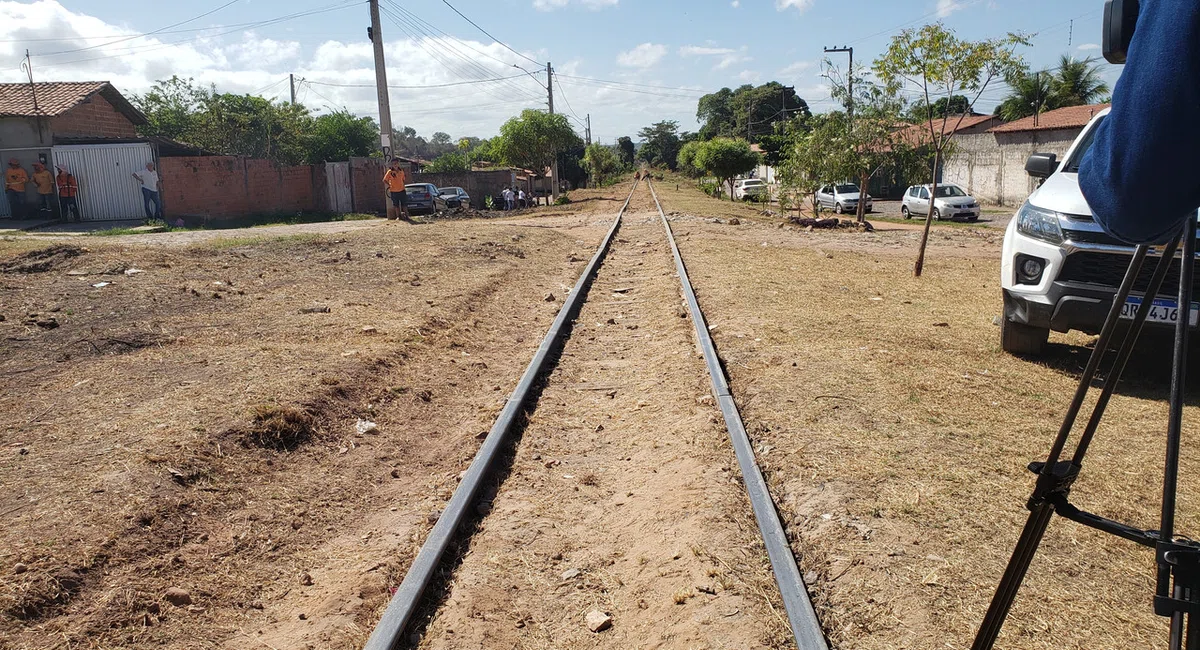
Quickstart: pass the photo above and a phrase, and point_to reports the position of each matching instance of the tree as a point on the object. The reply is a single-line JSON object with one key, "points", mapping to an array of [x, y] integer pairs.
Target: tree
{"points": [[440, 138], [686, 160], [956, 105], [171, 107], [937, 63], [750, 111], [811, 158], [601, 163], [453, 162], [340, 135], [626, 150], [1030, 94], [532, 139], [726, 158], [661, 144], [1077, 83], [715, 112]]}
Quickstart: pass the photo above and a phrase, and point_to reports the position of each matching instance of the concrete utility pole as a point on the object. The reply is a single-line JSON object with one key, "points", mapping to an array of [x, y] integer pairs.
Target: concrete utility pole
{"points": [[589, 130], [554, 166], [849, 78], [292, 83], [385, 109]]}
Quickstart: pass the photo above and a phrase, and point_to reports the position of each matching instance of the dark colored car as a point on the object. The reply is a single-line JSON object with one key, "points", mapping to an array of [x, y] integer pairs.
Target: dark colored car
{"points": [[456, 197], [424, 198]]}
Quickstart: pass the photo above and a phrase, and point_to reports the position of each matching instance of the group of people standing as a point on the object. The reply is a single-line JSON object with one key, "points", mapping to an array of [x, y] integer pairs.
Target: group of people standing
{"points": [[515, 199], [17, 180]]}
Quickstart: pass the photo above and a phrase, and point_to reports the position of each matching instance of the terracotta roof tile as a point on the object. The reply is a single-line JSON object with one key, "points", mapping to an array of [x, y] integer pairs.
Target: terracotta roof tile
{"points": [[917, 134], [1062, 118], [57, 97]]}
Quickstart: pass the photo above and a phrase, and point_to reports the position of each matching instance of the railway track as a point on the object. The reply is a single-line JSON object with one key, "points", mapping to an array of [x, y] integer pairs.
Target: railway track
{"points": [[628, 455]]}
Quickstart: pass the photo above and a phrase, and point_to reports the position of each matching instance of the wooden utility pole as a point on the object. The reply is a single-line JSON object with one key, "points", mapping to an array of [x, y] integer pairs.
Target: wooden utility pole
{"points": [[385, 109], [849, 79], [554, 166]]}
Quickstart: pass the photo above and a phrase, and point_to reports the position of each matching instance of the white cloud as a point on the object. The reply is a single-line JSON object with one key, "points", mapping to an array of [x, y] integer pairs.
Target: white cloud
{"points": [[642, 56], [735, 4], [703, 50], [799, 5], [1089, 46], [264, 51], [551, 5], [795, 69], [749, 76], [727, 57], [947, 7]]}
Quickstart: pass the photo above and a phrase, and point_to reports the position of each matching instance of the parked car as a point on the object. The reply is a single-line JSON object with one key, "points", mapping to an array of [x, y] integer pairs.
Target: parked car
{"points": [[952, 202], [842, 198], [455, 197], [1060, 271], [749, 188], [424, 198]]}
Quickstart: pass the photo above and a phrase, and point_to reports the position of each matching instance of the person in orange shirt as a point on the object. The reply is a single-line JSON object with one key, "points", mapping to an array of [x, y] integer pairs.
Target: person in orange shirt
{"points": [[44, 181], [394, 180], [68, 187], [15, 179]]}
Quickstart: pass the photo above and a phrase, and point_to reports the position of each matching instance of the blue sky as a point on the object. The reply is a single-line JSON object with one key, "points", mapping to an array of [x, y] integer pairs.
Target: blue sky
{"points": [[663, 55]]}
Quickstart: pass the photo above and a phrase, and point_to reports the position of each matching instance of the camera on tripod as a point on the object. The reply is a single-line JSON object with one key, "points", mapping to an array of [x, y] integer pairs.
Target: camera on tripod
{"points": [[1177, 558]]}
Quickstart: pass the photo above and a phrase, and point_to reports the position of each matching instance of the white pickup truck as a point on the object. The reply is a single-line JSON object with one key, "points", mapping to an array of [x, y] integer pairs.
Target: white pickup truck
{"points": [[1059, 270]]}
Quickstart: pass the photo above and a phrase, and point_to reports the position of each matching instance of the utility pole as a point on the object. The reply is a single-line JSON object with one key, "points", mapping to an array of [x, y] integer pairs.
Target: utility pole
{"points": [[589, 130], [32, 86], [554, 166], [385, 109], [849, 78], [292, 83]]}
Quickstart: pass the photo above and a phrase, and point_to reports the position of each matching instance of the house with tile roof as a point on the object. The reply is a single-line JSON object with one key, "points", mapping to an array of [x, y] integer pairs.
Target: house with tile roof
{"points": [[991, 164], [87, 126]]}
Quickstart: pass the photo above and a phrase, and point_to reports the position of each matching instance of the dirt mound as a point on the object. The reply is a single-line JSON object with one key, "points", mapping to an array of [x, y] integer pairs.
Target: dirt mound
{"points": [[278, 427], [40, 593], [43, 260], [832, 223]]}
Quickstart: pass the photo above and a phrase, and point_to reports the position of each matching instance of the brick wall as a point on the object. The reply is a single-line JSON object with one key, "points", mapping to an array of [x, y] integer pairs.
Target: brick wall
{"points": [[220, 187], [366, 181], [96, 118]]}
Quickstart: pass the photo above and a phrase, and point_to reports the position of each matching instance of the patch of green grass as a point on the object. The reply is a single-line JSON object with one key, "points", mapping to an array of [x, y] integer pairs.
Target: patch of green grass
{"points": [[875, 216], [113, 232]]}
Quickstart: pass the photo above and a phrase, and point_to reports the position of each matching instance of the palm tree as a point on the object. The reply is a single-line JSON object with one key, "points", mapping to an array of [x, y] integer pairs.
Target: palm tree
{"points": [[1031, 93], [1077, 83]]}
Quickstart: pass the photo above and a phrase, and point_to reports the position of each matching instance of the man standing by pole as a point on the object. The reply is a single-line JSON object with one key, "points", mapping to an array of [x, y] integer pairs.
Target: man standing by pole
{"points": [[394, 180]]}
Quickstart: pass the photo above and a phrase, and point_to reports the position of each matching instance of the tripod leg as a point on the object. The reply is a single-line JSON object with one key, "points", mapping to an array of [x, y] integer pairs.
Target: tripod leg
{"points": [[1014, 575]]}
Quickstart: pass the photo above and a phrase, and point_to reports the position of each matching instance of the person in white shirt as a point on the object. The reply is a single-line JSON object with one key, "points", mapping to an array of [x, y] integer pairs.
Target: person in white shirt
{"points": [[150, 199], [508, 199], [521, 199]]}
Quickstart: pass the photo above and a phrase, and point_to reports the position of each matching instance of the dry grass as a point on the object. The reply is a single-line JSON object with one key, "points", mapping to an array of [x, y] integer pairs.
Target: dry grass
{"points": [[895, 432]]}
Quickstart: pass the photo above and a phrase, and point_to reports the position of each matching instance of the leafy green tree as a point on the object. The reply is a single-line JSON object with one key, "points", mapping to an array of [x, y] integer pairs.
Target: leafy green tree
{"points": [[1031, 93], [626, 150], [812, 158], [661, 147], [440, 138], [1078, 83], [726, 158], [715, 112], [750, 111], [920, 111], [686, 160], [601, 163], [341, 135], [453, 162], [533, 139], [939, 64], [171, 107]]}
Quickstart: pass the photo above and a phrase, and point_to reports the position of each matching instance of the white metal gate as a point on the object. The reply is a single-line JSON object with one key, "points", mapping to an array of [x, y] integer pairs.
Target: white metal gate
{"points": [[337, 181], [107, 189]]}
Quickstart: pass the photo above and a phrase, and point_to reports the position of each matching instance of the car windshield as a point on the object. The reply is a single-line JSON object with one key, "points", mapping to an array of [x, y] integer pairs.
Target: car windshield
{"points": [[417, 188], [947, 191], [753, 182], [1084, 144], [847, 189], [451, 190]]}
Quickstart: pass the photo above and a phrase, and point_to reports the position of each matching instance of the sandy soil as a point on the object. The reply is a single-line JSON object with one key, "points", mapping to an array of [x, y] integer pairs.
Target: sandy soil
{"points": [[192, 426], [898, 433], [623, 496]]}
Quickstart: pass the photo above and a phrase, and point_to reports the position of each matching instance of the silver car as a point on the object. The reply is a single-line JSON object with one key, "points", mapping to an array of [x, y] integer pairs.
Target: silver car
{"points": [[455, 197], [841, 198], [952, 203]]}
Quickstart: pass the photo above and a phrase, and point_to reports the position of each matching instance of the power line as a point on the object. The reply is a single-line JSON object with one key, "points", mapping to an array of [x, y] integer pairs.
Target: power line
{"points": [[269, 86], [130, 38], [566, 101], [630, 83], [461, 15], [445, 85]]}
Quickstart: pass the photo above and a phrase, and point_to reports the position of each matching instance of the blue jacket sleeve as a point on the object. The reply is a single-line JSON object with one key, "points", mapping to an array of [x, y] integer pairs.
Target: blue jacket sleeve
{"points": [[1141, 176]]}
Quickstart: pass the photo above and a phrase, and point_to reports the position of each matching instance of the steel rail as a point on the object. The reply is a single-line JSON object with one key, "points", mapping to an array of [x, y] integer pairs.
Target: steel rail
{"points": [[387, 633], [806, 627]]}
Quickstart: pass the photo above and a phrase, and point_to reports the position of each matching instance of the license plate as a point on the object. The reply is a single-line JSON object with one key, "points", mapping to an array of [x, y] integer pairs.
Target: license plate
{"points": [[1162, 310]]}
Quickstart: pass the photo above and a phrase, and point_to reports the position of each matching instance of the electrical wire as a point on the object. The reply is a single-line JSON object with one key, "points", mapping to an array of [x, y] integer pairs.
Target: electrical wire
{"points": [[630, 83], [444, 85], [268, 87], [602, 86], [566, 101], [485, 32]]}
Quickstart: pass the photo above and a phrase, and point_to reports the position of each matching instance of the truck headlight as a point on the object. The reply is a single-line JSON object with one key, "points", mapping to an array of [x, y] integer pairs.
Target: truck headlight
{"points": [[1039, 224]]}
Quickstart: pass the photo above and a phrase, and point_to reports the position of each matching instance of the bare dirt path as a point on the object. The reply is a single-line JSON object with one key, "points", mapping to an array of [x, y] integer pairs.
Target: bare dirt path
{"points": [[624, 496]]}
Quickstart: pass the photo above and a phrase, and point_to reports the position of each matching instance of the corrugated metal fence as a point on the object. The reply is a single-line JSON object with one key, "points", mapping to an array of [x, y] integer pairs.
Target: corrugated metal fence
{"points": [[107, 188]]}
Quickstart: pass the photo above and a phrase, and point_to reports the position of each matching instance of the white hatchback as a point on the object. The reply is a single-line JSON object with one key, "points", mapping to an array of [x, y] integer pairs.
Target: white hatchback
{"points": [[748, 188]]}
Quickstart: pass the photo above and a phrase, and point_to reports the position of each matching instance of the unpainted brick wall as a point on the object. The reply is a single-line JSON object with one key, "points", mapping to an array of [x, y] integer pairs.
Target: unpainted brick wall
{"points": [[220, 187], [95, 117]]}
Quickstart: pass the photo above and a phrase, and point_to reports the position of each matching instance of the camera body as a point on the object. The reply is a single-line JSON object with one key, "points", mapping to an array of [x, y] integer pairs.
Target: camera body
{"points": [[1120, 19]]}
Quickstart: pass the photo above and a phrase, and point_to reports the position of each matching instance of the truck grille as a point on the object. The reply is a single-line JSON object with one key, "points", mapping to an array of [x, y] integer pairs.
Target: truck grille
{"points": [[1108, 269]]}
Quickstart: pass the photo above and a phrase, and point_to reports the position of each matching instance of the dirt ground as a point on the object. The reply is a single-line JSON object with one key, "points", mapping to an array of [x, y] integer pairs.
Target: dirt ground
{"points": [[623, 497], [181, 414], [895, 433]]}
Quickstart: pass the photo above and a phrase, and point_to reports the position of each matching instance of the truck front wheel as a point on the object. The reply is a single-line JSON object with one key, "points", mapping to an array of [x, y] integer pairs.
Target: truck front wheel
{"points": [[1024, 340]]}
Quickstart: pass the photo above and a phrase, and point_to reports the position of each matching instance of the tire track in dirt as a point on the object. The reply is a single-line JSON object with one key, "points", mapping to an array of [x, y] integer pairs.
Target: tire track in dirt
{"points": [[623, 496]]}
